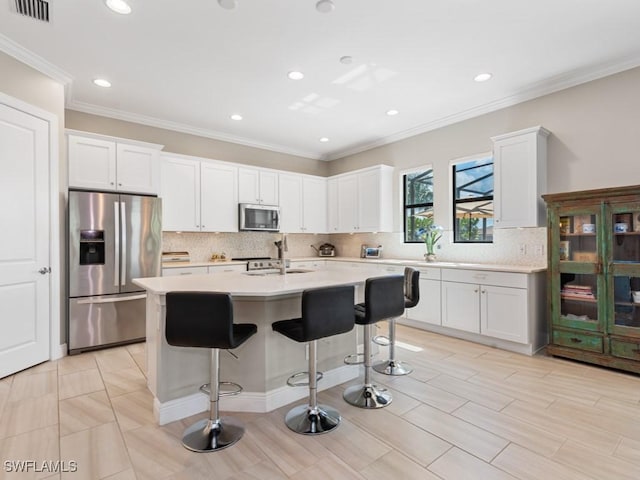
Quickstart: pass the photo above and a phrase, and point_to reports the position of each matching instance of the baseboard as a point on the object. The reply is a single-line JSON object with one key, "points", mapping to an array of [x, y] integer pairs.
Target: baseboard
{"points": [[59, 352], [183, 407]]}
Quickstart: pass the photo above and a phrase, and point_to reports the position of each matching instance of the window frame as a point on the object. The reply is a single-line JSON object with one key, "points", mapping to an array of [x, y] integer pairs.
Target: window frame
{"points": [[405, 206], [454, 203]]}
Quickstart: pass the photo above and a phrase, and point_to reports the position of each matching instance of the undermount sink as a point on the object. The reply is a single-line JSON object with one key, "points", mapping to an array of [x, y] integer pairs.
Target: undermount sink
{"points": [[298, 270], [264, 273]]}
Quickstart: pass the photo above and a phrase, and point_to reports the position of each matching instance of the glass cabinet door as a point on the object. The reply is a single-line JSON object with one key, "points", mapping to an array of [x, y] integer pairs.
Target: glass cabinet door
{"points": [[623, 225], [579, 282]]}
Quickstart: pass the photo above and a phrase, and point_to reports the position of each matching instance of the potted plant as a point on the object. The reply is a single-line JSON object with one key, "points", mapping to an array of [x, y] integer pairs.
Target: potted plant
{"points": [[432, 234]]}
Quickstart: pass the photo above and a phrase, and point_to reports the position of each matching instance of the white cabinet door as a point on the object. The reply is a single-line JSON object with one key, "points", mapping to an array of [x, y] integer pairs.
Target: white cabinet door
{"points": [[461, 306], [428, 308], [269, 188], [369, 201], [218, 198], [92, 163], [24, 196], [180, 179], [310, 264], [248, 185], [314, 201], [348, 204], [520, 155], [332, 205], [503, 313], [257, 186], [137, 169], [291, 204]]}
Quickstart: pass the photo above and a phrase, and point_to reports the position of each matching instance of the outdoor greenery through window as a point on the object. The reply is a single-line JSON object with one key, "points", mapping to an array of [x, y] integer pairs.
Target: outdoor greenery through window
{"points": [[418, 204], [473, 201]]}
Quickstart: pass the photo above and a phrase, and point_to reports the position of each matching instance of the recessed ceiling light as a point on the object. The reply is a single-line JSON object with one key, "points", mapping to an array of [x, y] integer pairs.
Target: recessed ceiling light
{"points": [[236, 117], [482, 77], [118, 6], [228, 4], [346, 60], [324, 139], [101, 82], [325, 6], [392, 112], [295, 75]]}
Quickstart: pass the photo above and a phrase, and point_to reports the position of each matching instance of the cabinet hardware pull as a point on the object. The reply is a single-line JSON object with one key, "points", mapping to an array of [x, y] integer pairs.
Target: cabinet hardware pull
{"points": [[575, 340]]}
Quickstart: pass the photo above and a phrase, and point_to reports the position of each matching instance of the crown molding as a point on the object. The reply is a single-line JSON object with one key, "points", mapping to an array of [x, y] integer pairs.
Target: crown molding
{"points": [[540, 89], [34, 61], [180, 127]]}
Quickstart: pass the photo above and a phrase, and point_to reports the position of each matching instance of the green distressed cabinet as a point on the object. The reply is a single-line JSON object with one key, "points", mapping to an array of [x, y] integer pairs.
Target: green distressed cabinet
{"points": [[594, 276]]}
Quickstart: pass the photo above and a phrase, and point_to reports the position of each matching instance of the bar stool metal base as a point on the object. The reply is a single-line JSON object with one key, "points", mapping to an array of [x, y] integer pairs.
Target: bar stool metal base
{"points": [[211, 435], [366, 396], [312, 421], [393, 367]]}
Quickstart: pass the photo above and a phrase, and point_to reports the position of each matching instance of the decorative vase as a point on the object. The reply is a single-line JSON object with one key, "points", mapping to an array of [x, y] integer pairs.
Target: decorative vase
{"points": [[430, 257]]}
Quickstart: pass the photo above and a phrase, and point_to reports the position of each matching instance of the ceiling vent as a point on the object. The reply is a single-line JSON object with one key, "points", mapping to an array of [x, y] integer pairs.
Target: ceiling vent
{"points": [[38, 9]]}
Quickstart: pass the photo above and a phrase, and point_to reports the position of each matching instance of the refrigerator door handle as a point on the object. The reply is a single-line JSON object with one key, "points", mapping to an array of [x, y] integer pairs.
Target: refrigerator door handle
{"points": [[116, 225], [123, 223], [90, 300]]}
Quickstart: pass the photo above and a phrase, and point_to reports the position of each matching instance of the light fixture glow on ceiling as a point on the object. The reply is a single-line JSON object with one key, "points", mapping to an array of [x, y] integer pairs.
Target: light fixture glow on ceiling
{"points": [[295, 75], [346, 60], [324, 139], [236, 117], [392, 112], [227, 4], [482, 77], [118, 6], [325, 6], [101, 82]]}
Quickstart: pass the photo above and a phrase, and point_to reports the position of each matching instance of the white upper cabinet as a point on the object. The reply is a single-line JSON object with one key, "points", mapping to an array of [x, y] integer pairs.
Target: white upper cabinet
{"points": [[257, 186], [332, 205], [98, 162], [303, 203], [198, 196], [520, 167], [362, 200]]}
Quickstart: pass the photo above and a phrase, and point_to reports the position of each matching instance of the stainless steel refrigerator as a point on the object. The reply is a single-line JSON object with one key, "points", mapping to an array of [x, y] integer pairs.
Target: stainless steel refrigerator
{"points": [[113, 238]]}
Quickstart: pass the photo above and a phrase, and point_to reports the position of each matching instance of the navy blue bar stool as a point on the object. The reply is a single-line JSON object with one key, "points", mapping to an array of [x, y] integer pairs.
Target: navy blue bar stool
{"points": [[205, 320], [325, 312]]}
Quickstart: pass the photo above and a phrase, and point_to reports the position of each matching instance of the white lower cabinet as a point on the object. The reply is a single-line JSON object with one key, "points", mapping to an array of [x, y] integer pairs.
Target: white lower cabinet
{"points": [[494, 304], [308, 264], [428, 310], [216, 269], [176, 271]]}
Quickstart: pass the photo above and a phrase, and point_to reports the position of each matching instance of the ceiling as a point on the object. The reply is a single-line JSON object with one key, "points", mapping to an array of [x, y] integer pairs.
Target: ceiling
{"points": [[189, 65]]}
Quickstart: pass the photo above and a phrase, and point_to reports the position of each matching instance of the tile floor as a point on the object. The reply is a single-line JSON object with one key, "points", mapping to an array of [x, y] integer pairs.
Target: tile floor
{"points": [[467, 412]]}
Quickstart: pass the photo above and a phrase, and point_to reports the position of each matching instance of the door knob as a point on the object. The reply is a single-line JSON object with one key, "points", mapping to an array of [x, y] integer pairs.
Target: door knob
{"points": [[44, 270]]}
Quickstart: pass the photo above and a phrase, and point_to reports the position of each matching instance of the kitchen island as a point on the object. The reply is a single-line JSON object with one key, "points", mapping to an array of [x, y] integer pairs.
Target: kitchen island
{"points": [[264, 362]]}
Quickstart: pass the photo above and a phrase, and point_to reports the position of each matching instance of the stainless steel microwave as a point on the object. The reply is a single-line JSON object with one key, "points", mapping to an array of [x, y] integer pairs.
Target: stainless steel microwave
{"points": [[265, 218]]}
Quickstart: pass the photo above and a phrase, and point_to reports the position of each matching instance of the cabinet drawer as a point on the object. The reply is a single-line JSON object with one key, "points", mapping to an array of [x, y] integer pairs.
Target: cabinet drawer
{"points": [[626, 349], [430, 273], [580, 341], [485, 277]]}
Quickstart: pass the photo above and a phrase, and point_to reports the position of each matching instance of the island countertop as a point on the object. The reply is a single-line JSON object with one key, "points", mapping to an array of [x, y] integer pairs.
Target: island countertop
{"points": [[250, 284]]}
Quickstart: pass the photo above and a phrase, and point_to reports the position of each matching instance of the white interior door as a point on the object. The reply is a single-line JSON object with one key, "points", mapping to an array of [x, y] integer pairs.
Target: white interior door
{"points": [[24, 256]]}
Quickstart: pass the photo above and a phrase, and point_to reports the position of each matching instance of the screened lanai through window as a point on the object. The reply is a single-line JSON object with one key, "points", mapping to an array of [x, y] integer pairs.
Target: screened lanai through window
{"points": [[418, 204], [473, 200]]}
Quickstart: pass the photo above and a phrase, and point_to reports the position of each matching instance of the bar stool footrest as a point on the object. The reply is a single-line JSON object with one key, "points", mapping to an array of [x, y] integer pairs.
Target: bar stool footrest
{"points": [[206, 388], [291, 381], [381, 340], [349, 359]]}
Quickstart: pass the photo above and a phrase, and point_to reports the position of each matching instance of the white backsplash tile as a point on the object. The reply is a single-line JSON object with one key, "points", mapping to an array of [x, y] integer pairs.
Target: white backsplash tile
{"points": [[504, 250]]}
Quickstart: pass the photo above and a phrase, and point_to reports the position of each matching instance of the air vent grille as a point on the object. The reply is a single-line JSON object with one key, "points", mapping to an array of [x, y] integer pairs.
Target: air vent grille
{"points": [[38, 9]]}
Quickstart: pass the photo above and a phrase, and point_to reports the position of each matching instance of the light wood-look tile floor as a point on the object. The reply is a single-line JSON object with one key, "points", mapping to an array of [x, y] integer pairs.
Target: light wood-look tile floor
{"points": [[467, 412]]}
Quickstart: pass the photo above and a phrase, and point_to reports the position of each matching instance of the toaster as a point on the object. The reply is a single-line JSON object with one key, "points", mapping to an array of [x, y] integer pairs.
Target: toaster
{"points": [[367, 251]]}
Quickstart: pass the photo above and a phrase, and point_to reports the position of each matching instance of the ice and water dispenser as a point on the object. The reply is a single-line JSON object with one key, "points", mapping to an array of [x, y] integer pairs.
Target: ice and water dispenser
{"points": [[91, 247]]}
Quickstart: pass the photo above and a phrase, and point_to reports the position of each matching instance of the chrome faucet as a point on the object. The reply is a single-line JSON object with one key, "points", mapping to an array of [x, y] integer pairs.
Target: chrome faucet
{"points": [[282, 247]]}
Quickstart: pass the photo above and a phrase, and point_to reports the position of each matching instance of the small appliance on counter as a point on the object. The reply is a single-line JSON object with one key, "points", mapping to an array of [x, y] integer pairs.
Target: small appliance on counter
{"points": [[325, 250], [367, 251], [175, 257]]}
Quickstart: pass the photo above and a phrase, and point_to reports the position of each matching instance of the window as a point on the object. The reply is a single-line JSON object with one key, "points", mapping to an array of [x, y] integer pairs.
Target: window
{"points": [[473, 201], [418, 203]]}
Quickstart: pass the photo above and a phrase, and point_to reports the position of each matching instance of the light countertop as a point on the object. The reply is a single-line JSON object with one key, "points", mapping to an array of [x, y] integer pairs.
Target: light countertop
{"points": [[383, 261]]}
